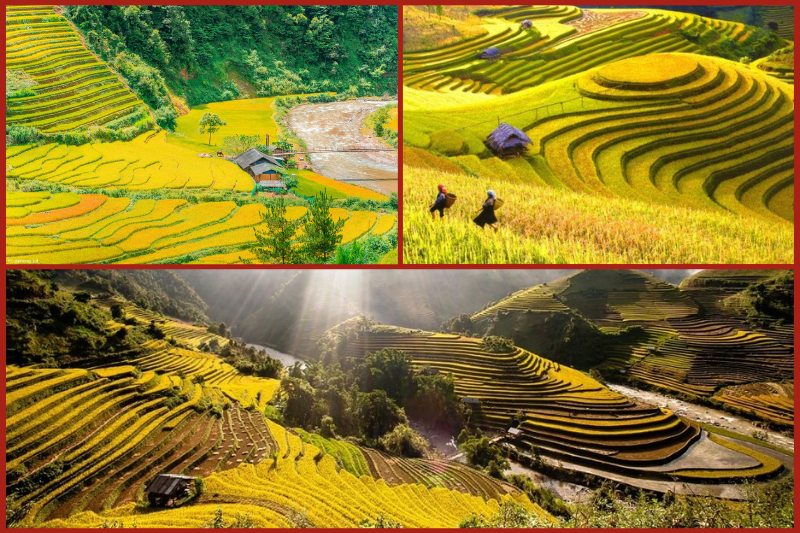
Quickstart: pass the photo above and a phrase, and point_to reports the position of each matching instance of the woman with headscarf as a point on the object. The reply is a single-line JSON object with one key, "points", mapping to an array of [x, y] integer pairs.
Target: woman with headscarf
{"points": [[440, 203], [486, 215]]}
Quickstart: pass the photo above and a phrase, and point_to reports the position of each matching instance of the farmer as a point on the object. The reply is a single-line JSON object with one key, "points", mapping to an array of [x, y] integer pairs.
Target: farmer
{"points": [[439, 204], [486, 216]]}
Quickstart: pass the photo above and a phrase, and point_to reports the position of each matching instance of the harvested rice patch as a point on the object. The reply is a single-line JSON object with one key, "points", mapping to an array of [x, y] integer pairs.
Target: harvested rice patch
{"points": [[86, 203]]}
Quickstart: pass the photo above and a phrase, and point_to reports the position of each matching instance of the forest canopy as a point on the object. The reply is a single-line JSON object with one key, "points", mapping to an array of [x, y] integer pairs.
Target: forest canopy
{"points": [[211, 53]]}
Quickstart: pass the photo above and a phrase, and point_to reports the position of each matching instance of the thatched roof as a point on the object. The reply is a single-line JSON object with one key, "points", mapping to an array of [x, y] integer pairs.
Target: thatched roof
{"points": [[507, 139], [490, 53]]}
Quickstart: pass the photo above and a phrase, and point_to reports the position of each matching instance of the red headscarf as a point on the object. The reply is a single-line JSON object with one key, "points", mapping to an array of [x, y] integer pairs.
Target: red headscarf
{"points": [[442, 189]]}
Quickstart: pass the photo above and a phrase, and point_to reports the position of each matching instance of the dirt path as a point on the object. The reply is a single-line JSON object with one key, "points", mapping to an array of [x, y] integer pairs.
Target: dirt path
{"points": [[340, 124], [707, 415]]}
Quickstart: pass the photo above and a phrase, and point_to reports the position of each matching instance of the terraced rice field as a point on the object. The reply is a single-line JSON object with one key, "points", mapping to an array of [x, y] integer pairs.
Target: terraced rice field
{"points": [[56, 228], [544, 224], [782, 16], [567, 415], [569, 41], [110, 430], [72, 88], [433, 473], [300, 489], [619, 105], [148, 163], [691, 344], [400, 470], [191, 334]]}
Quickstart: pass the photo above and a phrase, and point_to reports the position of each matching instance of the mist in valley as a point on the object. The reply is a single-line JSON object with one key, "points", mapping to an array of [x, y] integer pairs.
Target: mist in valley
{"points": [[289, 309]]}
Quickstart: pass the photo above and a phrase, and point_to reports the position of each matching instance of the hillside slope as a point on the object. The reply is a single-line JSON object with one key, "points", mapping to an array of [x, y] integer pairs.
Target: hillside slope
{"points": [[650, 136], [210, 53], [702, 339], [561, 413], [60, 85]]}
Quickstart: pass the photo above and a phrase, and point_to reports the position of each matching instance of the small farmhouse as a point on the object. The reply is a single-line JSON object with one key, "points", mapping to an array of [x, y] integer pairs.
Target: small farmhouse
{"points": [[490, 53], [507, 141], [167, 490], [260, 166], [526, 24]]}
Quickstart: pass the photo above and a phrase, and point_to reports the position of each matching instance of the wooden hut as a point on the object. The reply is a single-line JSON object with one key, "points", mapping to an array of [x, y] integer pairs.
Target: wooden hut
{"points": [[507, 141], [490, 53], [169, 490], [260, 166]]}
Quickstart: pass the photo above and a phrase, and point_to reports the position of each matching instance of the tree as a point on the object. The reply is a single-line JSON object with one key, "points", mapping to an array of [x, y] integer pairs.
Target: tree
{"points": [[117, 312], [278, 243], [291, 182], [210, 122], [403, 440], [389, 370], [322, 233], [377, 414], [299, 401]]}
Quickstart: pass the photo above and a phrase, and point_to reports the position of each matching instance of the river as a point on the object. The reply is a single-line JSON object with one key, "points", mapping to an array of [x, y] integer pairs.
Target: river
{"points": [[341, 125], [706, 415], [285, 358]]}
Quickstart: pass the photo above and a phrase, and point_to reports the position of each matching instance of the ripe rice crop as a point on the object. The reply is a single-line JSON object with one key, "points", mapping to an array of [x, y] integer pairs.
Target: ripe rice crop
{"points": [[60, 66], [548, 225], [567, 414], [143, 164], [115, 230]]}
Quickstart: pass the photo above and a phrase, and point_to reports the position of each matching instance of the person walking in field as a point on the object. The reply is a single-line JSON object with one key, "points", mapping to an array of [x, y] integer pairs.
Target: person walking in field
{"points": [[440, 203], [486, 216]]}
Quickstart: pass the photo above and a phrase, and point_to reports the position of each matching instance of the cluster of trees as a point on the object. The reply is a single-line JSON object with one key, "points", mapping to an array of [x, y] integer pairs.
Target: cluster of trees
{"points": [[379, 121], [162, 291], [48, 325], [370, 399], [276, 49], [771, 300], [281, 241], [759, 43]]}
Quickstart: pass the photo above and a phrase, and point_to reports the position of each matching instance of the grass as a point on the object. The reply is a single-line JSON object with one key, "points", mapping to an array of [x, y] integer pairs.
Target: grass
{"points": [[252, 116]]}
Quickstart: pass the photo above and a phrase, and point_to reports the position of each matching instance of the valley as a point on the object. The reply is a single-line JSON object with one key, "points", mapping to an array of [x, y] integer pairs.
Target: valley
{"points": [[151, 170], [543, 390]]}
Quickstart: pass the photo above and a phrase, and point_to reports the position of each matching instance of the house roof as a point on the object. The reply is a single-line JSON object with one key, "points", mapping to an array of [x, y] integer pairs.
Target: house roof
{"points": [[505, 136], [263, 167], [491, 52], [514, 431], [167, 484], [253, 156]]}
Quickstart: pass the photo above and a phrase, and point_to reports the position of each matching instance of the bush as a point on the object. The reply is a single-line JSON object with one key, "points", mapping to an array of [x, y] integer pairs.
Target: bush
{"points": [[496, 344], [404, 441]]}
